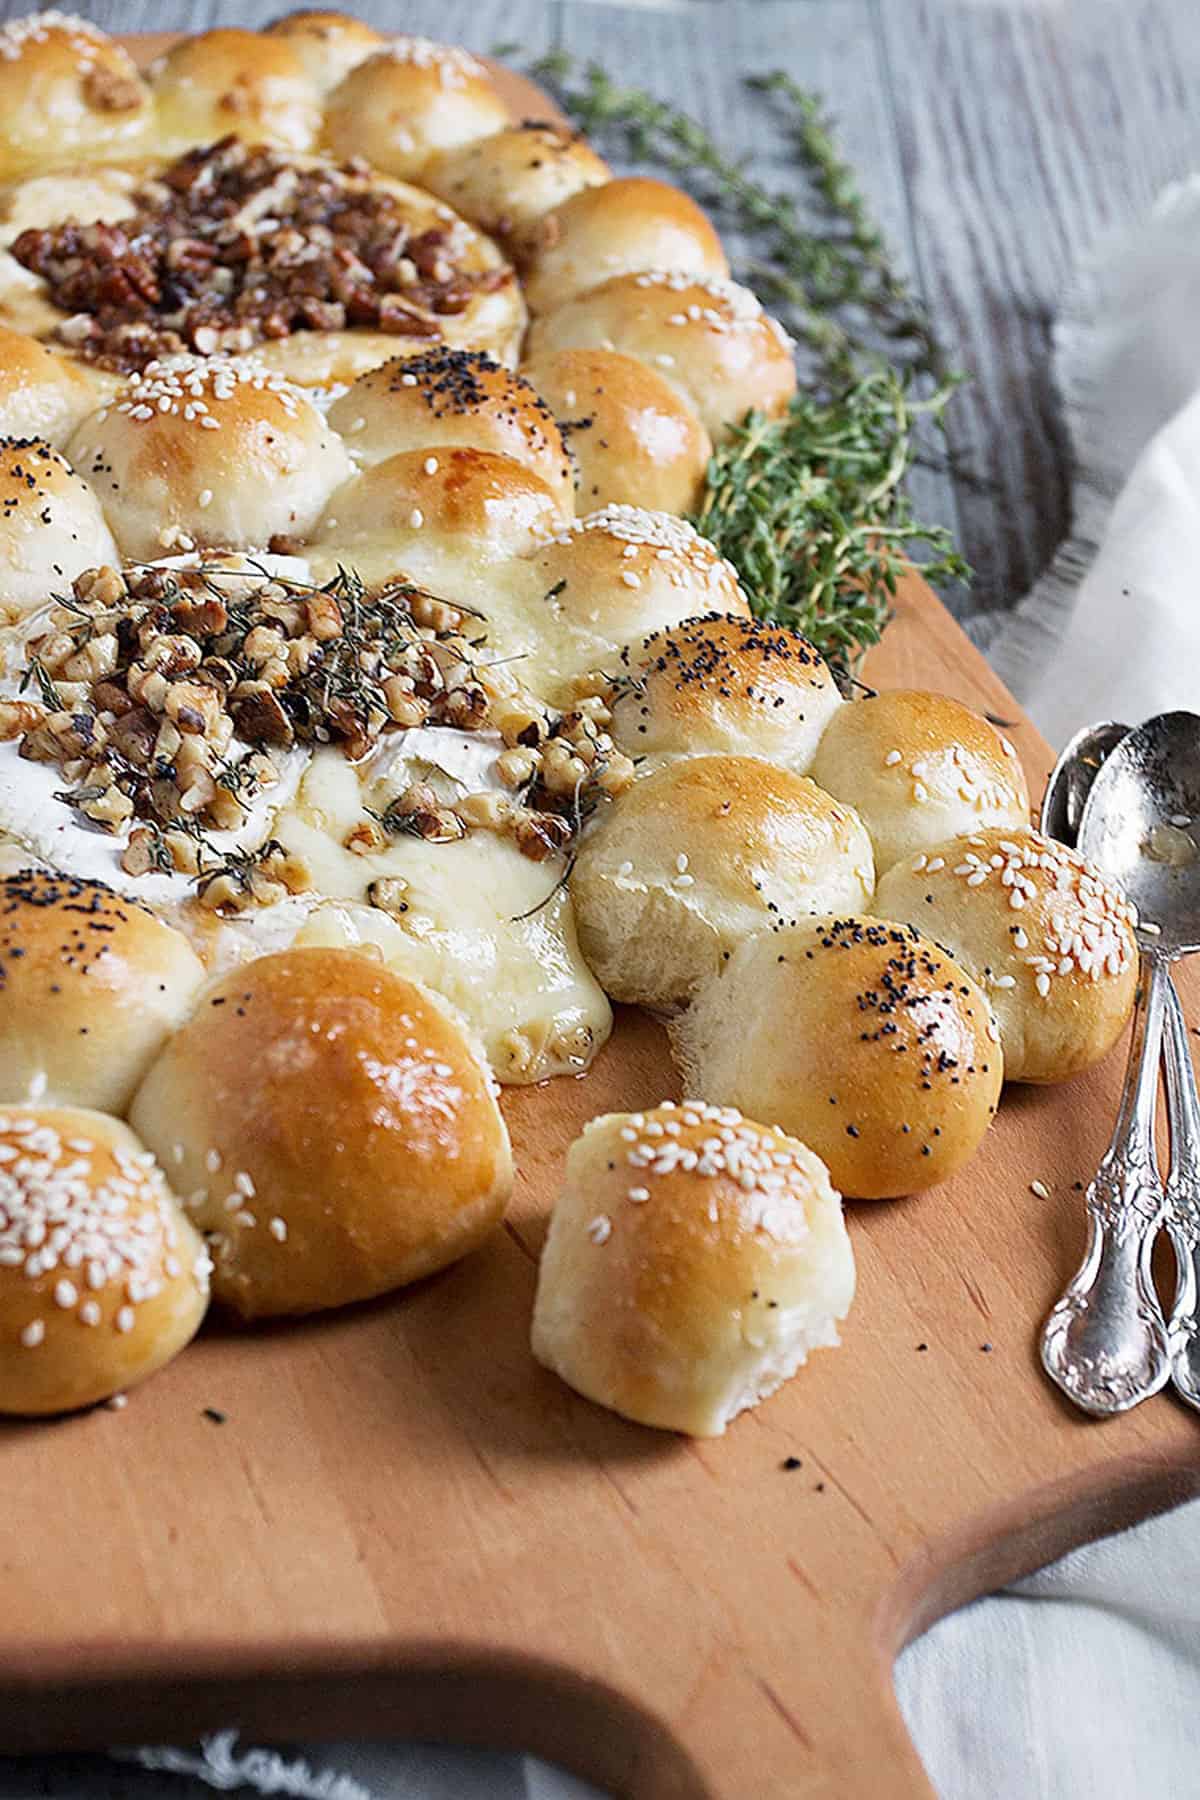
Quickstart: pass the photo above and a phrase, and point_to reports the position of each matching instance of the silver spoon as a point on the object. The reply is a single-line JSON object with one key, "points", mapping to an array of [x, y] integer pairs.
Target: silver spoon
{"points": [[1106, 1342], [1066, 796]]}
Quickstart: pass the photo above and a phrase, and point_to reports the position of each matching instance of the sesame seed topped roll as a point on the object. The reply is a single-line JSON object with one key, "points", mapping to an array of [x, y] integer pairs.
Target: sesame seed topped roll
{"points": [[102, 1278], [863, 1038], [507, 183], [920, 768], [632, 439], [410, 100], [327, 44], [694, 1260], [444, 397], [209, 452], [721, 683], [628, 224], [52, 526], [1046, 936], [331, 1127], [90, 986], [709, 338], [701, 854], [67, 93], [240, 83]]}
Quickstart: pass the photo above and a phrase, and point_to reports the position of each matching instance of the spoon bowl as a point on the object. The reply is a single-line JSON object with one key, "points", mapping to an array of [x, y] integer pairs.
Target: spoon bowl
{"points": [[1071, 782]]}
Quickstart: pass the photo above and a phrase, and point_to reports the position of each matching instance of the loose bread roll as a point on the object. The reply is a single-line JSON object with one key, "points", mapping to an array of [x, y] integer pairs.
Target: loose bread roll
{"points": [[694, 1259], [1048, 939], [425, 502], [41, 395], [90, 986], [446, 396], [102, 1278], [240, 82], [51, 525], [410, 100], [632, 439], [701, 855], [724, 684], [67, 92], [628, 224], [326, 44], [209, 452], [709, 338], [920, 768], [861, 1037], [508, 182], [332, 1128]]}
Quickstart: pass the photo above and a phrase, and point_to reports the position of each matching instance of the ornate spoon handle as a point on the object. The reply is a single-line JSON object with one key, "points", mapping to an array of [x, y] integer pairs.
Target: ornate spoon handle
{"points": [[1105, 1343], [1183, 1201]]}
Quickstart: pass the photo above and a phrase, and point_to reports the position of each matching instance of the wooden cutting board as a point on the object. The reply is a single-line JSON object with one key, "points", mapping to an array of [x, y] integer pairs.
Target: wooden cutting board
{"points": [[403, 1527]]}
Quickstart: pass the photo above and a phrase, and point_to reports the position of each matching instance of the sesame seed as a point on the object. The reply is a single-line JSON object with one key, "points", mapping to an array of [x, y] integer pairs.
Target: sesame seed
{"points": [[1040, 1189], [278, 1229], [33, 1334], [600, 1229], [125, 1319], [416, 518], [892, 758], [430, 465]]}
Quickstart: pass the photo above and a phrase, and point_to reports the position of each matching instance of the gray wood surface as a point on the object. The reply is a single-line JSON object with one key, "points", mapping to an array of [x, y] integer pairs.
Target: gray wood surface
{"points": [[997, 140]]}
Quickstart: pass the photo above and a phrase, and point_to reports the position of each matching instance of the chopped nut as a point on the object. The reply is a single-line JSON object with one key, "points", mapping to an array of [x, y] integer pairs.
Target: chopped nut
{"points": [[489, 811], [18, 717], [366, 837], [388, 894], [324, 617]]}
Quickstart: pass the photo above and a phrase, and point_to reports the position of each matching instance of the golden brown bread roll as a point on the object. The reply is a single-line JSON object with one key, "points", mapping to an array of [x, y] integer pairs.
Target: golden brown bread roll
{"points": [[90, 986], [243, 83], [508, 182], [1048, 939], [628, 224], [861, 1037], [723, 683], [67, 93], [208, 452], [330, 1126], [327, 44], [709, 338], [694, 1260], [697, 857], [920, 768], [102, 1278], [632, 439], [41, 395], [423, 503], [52, 526], [461, 397], [410, 100]]}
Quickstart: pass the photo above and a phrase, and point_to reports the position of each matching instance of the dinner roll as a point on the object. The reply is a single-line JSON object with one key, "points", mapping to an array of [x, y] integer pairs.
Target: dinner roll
{"points": [[632, 439], [332, 1128], [409, 100], [41, 395], [90, 985], [701, 854], [446, 396], [860, 1037], [425, 501], [51, 524], [326, 44], [1043, 933], [506, 183], [709, 338], [724, 683], [102, 1278], [67, 92], [628, 224], [920, 768], [240, 82], [693, 1261], [213, 452]]}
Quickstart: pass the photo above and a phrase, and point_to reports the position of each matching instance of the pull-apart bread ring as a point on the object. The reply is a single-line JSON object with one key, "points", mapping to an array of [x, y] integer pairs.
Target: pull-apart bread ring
{"points": [[693, 1262], [707, 337], [509, 184], [67, 93], [701, 855], [625, 225], [332, 1128], [102, 1277], [862, 1037], [920, 768], [241, 83], [1049, 940], [724, 684], [52, 527], [410, 100]]}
